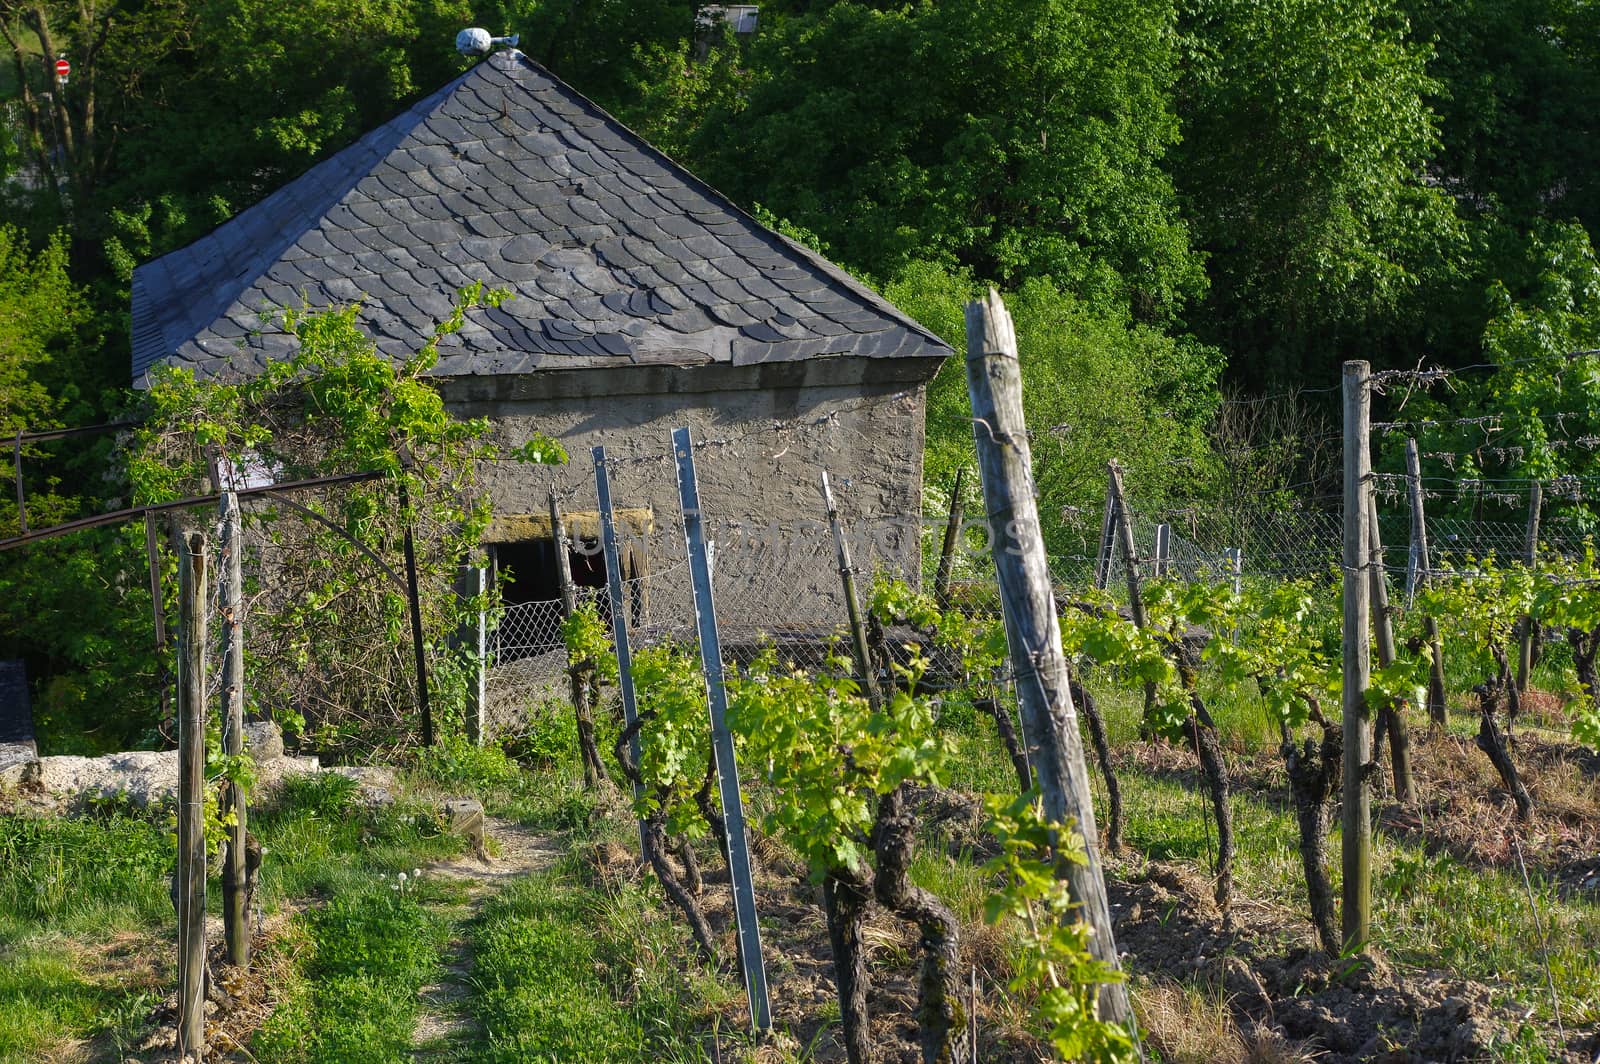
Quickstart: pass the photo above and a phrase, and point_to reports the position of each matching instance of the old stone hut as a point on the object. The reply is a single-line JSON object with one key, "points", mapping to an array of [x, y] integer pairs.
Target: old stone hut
{"points": [[643, 300]]}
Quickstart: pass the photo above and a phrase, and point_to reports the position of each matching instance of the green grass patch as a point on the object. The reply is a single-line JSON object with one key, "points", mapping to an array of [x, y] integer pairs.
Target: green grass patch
{"points": [[567, 973], [82, 876], [366, 956]]}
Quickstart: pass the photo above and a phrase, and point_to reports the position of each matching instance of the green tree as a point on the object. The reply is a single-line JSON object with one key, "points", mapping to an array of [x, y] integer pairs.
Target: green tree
{"points": [[1306, 133], [1095, 387], [1019, 138]]}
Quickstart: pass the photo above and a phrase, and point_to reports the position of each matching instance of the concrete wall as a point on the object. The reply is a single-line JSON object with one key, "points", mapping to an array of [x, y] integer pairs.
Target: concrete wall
{"points": [[764, 433]]}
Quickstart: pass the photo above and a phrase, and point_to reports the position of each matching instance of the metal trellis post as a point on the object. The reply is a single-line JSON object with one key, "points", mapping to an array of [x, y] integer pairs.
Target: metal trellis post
{"points": [[744, 898]]}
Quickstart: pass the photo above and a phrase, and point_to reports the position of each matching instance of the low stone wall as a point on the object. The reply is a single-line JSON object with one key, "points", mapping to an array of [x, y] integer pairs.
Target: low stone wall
{"points": [[143, 777]]}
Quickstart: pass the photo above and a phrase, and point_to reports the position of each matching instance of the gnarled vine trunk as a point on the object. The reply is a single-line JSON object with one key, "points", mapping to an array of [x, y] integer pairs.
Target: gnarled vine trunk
{"points": [[845, 897], [1202, 732], [1492, 743], [941, 1017], [1003, 723], [1102, 752], [653, 840], [1314, 777], [583, 687]]}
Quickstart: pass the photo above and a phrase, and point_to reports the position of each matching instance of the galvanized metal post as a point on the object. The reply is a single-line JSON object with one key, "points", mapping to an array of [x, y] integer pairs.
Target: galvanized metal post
{"points": [[619, 611], [1235, 558], [1422, 573], [1163, 550], [705, 613]]}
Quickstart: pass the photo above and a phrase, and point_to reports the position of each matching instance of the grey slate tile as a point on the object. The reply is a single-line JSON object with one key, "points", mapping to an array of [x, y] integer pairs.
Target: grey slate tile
{"points": [[508, 176]]}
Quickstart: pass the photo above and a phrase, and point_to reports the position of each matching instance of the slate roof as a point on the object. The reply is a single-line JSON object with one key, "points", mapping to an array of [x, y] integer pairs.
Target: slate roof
{"points": [[616, 255]]}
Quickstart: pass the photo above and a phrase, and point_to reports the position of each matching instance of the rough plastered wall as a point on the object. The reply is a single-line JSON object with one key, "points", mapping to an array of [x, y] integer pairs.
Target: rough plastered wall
{"points": [[763, 435]]}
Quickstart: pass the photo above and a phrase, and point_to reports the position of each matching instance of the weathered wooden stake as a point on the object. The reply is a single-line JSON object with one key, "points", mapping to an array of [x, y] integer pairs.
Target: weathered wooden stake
{"points": [[852, 603], [952, 537], [1123, 526], [1049, 719], [705, 615], [1108, 535], [594, 770], [1356, 841], [235, 872], [1438, 712], [22, 495], [191, 876], [1394, 722], [414, 601], [1530, 556], [618, 592]]}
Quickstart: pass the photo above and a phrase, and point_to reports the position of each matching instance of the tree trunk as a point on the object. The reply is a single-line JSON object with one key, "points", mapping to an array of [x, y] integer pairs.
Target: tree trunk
{"points": [[1102, 752], [941, 1018], [1313, 779], [846, 896], [691, 868]]}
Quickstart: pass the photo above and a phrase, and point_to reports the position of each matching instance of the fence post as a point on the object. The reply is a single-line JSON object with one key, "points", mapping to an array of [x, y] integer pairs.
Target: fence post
{"points": [[1393, 720], [1356, 843], [1438, 713], [852, 604], [1130, 555], [1235, 556], [1108, 533], [1163, 558], [236, 874], [190, 884], [1531, 556], [414, 601], [473, 581], [618, 594], [952, 536], [705, 615], [1050, 721]]}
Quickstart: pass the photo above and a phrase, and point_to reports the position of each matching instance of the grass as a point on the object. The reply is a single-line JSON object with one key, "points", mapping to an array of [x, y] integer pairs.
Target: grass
{"points": [[363, 958]]}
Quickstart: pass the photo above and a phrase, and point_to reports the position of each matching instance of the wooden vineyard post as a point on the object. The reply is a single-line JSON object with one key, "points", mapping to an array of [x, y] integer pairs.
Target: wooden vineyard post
{"points": [[852, 603], [414, 603], [1124, 532], [618, 593], [705, 615], [1049, 719], [191, 877], [1437, 711], [235, 872], [1394, 721], [1530, 556], [952, 536], [1356, 841], [1108, 536], [594, 770]]}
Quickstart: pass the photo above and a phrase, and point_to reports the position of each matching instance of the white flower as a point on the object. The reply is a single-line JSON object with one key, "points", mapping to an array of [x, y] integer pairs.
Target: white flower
{"points": [[402, 877], [416, 873]]}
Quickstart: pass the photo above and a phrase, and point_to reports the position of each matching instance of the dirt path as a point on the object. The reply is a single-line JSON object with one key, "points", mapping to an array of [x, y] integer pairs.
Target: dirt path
{"points": [[444, 1026]]}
